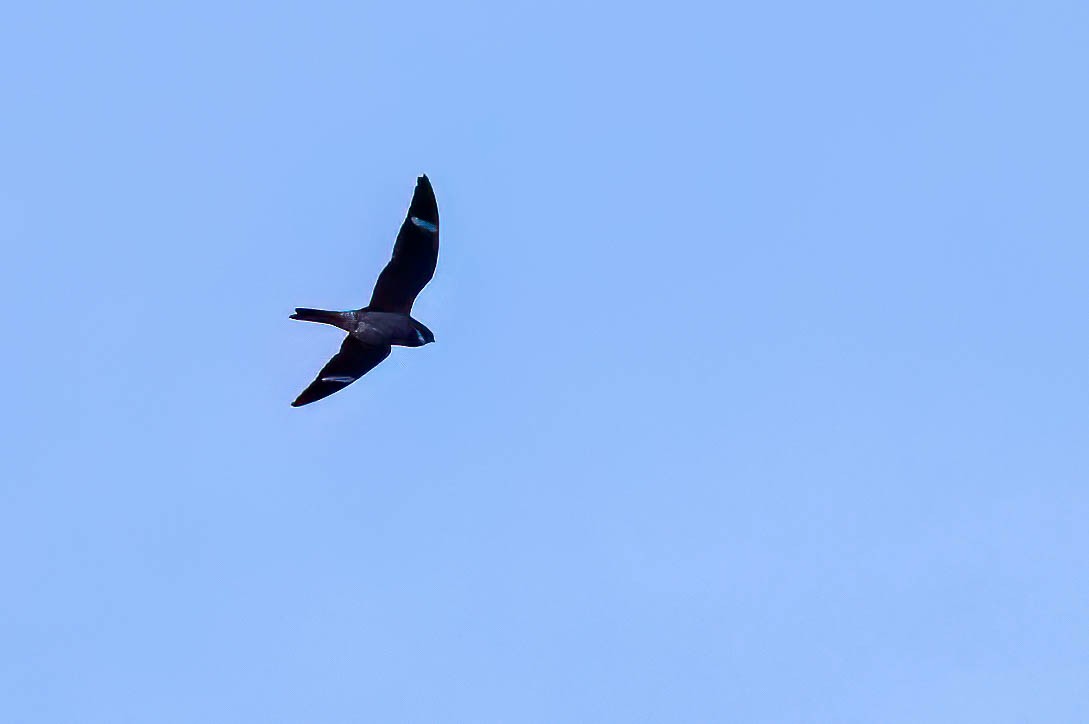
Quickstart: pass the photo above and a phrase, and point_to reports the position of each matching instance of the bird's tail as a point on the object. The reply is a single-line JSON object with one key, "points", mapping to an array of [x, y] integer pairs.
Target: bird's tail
{"points": [[321, 316]]}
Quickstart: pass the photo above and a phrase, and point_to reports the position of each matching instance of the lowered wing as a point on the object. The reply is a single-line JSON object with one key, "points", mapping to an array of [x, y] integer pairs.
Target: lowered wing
{"points": [[354, 360]]}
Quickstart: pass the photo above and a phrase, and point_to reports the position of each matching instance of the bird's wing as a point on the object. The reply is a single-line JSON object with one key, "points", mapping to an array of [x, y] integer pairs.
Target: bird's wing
{"points": [[354, 360], [414, 254]]}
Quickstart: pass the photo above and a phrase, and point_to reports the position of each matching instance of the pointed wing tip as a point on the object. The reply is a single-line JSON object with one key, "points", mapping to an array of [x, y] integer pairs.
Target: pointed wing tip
{"points": [[309, 395], [304, 399], [423, 202]]}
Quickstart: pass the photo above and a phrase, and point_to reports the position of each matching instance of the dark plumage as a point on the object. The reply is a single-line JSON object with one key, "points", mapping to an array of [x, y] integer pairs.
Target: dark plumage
{"points": [[386, 321]]}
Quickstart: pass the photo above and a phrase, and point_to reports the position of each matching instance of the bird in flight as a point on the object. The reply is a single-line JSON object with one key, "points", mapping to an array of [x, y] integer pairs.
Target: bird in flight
{"points": [[386, 321]]}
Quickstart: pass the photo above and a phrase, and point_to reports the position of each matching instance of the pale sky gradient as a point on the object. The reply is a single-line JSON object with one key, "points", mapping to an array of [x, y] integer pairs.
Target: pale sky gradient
{"points": [[761, 388]]}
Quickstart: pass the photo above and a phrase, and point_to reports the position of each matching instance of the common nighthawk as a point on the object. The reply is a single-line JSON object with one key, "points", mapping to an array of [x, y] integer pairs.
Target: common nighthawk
{"points": [[386, 321]]}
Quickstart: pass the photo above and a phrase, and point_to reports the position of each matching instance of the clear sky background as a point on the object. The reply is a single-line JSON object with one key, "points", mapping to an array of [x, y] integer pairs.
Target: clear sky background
{"points": [[760, 391]]}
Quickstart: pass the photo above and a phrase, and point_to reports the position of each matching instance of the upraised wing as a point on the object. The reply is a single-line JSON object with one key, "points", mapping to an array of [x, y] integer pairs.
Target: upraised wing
{"points": [[354, 360], [414, 255]]}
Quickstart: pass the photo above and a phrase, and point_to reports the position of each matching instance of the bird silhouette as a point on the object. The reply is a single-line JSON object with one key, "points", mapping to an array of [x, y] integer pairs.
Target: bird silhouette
{"points": [[386, 321]]}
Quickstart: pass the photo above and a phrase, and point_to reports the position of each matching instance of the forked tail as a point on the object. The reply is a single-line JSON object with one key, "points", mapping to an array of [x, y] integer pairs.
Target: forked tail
{"points": [[321, 316]]}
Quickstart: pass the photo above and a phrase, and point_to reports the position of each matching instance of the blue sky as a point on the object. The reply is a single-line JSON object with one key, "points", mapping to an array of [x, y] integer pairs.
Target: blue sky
{"points": [[760, 391]]}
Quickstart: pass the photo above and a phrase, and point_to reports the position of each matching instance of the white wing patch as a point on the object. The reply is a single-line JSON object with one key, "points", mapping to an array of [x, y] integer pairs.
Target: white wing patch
{"points": [[424, 224], [338, 378]]}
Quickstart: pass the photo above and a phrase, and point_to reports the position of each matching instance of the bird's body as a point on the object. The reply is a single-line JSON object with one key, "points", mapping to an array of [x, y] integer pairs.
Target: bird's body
{"points": [[389, 328], [371, 328], [386, 321]]}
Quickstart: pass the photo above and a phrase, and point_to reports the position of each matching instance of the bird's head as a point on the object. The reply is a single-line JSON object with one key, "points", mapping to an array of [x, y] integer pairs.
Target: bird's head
{"points": [[423, 334]]}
